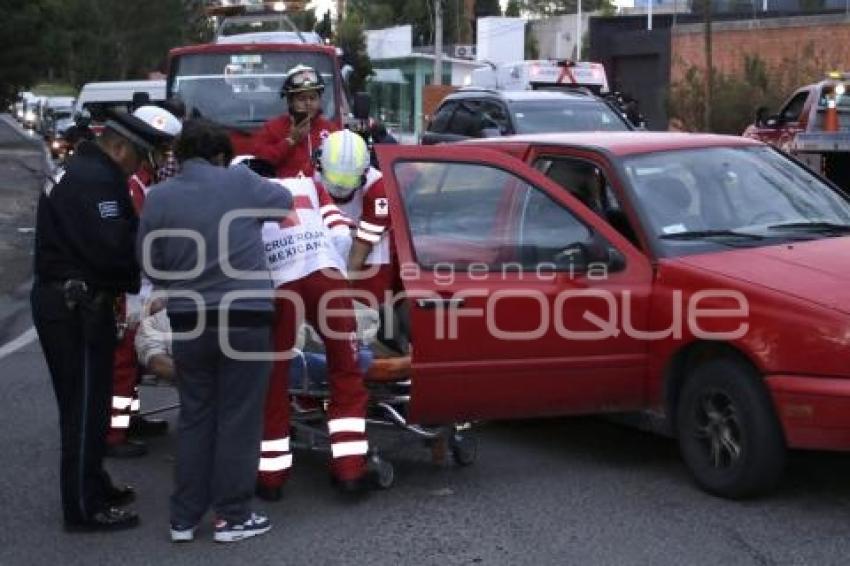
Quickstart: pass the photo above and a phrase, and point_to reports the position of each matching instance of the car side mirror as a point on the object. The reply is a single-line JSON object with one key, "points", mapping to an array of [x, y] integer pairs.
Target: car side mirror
{"points": [[775, 121], [362, 104], [580, 256]]}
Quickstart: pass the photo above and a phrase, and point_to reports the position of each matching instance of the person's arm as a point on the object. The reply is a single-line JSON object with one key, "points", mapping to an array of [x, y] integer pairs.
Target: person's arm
{"points": [[336, 222], [360, 250], [272, 142], [372, 227], [162, 366]]}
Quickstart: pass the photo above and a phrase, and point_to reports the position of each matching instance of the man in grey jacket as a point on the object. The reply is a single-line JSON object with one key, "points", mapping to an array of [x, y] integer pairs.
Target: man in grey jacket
{"points": [[225, 293]]}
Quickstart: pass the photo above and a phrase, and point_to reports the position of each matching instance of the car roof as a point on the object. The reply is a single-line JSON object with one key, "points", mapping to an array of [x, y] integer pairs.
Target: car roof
{"points": [[519, 95], [621, 143]]}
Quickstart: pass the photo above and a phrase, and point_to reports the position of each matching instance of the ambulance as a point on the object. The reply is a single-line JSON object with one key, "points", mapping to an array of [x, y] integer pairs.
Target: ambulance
{"points": [[543, 74]]}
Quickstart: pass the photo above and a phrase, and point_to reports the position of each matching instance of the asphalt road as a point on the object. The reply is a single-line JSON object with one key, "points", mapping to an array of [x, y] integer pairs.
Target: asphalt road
{"points": [[23, 170], [572, 491], [564, 491]]}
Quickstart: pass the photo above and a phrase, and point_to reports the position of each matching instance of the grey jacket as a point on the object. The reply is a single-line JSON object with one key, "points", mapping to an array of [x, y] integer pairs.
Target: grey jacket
{"points": [[197, 204]]}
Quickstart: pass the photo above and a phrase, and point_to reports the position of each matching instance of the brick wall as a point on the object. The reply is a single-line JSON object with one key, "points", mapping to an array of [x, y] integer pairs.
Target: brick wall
{"points": [[774, 41]]}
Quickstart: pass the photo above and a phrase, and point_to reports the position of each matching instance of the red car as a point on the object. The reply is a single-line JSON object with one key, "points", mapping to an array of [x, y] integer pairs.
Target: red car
{"points": [[699, 277]]}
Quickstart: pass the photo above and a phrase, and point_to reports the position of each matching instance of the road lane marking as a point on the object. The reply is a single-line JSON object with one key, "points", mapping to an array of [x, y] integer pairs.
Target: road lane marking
{"points": [[23, 340]]}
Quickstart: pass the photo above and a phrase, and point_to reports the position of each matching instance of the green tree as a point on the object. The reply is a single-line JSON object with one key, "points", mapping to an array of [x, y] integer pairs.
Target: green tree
{"points": [[513, 9], [352, 40], [106, 40], [304, 20], [545, 8], [325, 28], [532, 47], [23, 50], [484, 8], [377, 14]]}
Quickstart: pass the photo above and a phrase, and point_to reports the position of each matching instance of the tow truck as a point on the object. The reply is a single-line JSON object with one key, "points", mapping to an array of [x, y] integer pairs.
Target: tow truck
{"points": [[235, 80], [813, 126]]}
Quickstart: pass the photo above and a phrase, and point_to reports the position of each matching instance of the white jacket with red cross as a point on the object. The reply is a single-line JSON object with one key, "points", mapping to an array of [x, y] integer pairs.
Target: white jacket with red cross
{"points": [[315, 235]]}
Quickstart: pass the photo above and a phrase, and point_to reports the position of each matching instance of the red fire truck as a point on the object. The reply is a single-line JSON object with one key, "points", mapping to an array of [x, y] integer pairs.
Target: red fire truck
{"points": [[235, 80]]}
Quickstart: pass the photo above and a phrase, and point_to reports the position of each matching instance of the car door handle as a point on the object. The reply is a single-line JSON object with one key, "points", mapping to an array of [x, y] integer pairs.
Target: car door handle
{"points": [[433, 303]]}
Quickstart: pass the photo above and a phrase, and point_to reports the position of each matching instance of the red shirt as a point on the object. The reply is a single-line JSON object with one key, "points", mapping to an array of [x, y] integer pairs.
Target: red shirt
{"points": [[290, 160], [138, 185]]}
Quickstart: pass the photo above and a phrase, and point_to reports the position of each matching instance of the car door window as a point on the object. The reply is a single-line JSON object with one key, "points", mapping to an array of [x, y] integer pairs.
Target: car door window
{"points": [[794, 108], [466, 121], [495, 116], [441, 120], [464, 213], [586, 181]]}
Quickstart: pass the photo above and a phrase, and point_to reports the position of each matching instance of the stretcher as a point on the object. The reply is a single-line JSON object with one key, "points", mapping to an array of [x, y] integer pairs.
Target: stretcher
{"points": [[388, 383]]}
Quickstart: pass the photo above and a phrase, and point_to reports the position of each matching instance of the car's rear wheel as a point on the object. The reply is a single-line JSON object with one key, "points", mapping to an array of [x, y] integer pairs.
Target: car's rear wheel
{"points": [[728, 432]]}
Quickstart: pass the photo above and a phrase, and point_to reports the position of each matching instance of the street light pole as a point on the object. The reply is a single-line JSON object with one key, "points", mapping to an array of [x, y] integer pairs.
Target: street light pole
{"points": [[438, 43], [649, 16]]}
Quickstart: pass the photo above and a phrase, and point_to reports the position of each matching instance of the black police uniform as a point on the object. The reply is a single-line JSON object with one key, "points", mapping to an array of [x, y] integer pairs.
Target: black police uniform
{"points": [[84, 257]]}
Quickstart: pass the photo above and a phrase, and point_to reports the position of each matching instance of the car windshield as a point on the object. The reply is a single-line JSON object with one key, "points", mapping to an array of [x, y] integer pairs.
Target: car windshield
{"points": [[243, 89], [545, 116], [697, 200]]}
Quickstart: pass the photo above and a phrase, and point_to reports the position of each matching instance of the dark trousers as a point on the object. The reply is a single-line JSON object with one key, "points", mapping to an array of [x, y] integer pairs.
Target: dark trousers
{"points": [[78, 344], [220, 425]]}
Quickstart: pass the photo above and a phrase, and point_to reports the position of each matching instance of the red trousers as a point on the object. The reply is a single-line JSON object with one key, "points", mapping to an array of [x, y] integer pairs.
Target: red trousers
{"points": [[125, 388], [377, 285], [348, 396]]}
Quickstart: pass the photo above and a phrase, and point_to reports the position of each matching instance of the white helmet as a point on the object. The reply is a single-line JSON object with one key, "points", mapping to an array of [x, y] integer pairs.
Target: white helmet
{"points": [[343, 163], [160, 119]]}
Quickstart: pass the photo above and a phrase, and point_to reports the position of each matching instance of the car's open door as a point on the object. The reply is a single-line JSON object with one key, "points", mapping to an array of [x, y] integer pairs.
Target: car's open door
{"points": [[518, 301]]}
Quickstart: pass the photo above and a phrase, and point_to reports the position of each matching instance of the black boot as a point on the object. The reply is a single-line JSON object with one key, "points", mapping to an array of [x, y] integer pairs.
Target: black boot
{"points": [[109, 519], [127, 449], [143, 427]]}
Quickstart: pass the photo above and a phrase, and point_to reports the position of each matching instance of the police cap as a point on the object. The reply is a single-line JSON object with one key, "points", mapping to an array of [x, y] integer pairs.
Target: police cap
{"points": [[137, 131]]}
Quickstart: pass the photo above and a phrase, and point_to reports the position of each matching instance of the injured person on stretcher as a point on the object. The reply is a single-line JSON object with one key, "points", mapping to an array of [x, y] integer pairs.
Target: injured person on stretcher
{"points": [[308, 370]]}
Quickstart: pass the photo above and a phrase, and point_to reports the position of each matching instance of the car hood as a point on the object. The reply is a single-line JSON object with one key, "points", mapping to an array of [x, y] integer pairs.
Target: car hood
{"points": [[817, 271]]}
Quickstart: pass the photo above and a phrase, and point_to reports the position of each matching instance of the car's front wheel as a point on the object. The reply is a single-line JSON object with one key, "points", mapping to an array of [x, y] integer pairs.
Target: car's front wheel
{"points": [[728, 432]]}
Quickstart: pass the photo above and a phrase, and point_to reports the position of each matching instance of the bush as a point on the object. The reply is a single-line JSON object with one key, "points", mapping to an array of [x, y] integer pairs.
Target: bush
{"points": [[736, 96]]}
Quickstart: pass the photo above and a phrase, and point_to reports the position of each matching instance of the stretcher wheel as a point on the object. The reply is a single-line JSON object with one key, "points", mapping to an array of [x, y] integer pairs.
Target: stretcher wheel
{"points": [[382, 472], [464, 448]]}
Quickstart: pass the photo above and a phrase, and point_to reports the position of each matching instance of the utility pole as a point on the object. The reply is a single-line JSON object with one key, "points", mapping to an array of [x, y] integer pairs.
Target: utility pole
{"points": [[649, 16], [438, 43], [709, 68], [578, 30]]}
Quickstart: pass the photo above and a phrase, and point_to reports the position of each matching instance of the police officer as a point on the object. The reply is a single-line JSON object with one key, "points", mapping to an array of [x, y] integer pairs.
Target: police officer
{"points": [[84, 258]]}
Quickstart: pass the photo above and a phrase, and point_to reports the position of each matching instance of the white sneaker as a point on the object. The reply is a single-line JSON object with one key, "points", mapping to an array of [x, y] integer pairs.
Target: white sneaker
{"points": [[231, 532], [181, 533]]}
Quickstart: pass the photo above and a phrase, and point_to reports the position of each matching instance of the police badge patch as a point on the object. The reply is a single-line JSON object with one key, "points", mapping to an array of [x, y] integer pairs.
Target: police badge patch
{"points": [[108, 209]]}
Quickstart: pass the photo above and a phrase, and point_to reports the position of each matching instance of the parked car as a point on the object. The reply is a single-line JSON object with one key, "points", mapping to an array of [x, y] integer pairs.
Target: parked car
{"points": [[483, 113], [702, 278]]}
